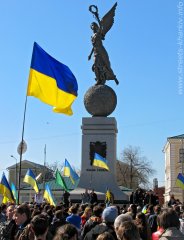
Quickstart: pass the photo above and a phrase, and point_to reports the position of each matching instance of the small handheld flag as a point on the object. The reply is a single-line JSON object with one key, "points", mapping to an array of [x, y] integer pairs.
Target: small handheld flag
{"points": [[51, 81], [69, 172], [48, 195], [30, 179], [99, 161]]}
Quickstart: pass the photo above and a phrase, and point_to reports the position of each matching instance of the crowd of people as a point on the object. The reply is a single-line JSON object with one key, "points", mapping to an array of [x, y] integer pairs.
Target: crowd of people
{"points": [[91, 221]]}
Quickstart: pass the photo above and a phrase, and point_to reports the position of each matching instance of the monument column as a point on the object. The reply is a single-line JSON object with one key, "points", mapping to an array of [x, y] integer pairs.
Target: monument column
{"points": [[99, 132]]}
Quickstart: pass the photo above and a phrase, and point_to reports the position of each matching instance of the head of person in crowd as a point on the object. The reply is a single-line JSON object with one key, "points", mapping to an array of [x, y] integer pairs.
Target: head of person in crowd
{"points": [[87, 212], [177, 209], [169, 219], [10, 212], [22, 214], [66, 232], [141, 219], [73, 209], [157, 209], [40, 226], [120, 219], [105, 236], [128, 231], [109, 214], [132, 210]]}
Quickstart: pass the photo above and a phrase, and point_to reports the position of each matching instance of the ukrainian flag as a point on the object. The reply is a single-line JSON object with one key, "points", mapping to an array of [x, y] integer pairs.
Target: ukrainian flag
{"points": [[5, 189], [51, 81], [69, 172], [30, 179], [180, 181], [48, 195], [14, 192], [99, 161]]}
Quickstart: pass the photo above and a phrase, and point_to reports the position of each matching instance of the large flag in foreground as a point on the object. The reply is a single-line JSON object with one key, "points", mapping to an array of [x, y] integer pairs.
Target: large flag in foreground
{"points": [[99, 161], [180, 181], [48, 195], [69, 172], [30, 179], [51, 81], [60, 181], [5, 189]]}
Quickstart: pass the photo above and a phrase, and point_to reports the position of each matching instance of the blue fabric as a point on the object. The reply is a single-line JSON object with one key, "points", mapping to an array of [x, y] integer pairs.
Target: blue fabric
{"points": [[75, 220]]}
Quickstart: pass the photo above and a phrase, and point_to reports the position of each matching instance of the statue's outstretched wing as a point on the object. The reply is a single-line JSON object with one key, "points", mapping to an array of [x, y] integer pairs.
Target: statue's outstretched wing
{"points": [[108, 20]]}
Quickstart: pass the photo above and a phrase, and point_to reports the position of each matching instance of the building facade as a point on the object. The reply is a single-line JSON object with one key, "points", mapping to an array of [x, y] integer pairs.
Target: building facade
{"points": [[174, 164]]}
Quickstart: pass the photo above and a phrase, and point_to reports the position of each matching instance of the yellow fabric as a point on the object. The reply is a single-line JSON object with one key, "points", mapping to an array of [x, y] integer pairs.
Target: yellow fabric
{"points": [[101, 164], [48, 198], [28, 179], [45, 88]]}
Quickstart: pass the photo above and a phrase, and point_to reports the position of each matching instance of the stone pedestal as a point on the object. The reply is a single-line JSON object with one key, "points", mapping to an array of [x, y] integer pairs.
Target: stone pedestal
{"points": [[104, 130]]}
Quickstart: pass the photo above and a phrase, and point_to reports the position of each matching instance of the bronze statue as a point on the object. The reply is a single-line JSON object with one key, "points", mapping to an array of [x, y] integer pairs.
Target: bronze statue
{"points": [[101, 66]]}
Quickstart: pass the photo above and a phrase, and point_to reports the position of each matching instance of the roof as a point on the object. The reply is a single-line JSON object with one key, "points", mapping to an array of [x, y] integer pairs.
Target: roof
{"points": [[35, 165], [177, 137]]}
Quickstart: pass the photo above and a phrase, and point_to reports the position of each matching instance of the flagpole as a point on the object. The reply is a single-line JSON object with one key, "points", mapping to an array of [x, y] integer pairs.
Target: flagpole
{"points": [[21, 149], [45, 152]]}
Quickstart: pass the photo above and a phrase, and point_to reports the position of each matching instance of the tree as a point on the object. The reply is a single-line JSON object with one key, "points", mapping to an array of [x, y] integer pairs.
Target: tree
{"points": [[136, 169]]}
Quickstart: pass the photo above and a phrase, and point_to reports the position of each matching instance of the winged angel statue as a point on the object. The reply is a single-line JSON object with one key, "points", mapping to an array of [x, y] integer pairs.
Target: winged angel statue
{"points": [[101, 66]]}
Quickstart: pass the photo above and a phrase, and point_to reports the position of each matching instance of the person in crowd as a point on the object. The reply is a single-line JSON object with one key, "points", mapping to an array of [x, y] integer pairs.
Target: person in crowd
{"points": [[57, 221], [169, 221], [172, 200], [7, 228], [150, 211], [3, 213], [182, 222], [66, 198], [152, 220], [22, 218], [156, 235], [85, 197], [40, 227], [120, 219], [105, 236], [66, 232], [74, 218], [128, 231], [108, 216], [93, 220], [143, 227], [132, 211], [86, 215], [93, 197]]}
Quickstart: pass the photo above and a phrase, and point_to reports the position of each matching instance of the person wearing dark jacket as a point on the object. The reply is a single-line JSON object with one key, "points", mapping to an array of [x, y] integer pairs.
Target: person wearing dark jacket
{"points": [[92, 221], [108, 216]]}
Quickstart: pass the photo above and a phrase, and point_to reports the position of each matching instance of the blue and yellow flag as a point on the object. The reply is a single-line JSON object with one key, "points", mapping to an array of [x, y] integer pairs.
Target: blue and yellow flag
{"points": [[180, 181], [99, 161], [48, 195], [51, 81], [14, 192], [5, 189], [30, 179], [69, 172]]}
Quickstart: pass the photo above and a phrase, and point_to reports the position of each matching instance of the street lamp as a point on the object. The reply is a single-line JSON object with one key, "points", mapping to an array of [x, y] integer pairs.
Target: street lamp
{"points": [[15, 170]]}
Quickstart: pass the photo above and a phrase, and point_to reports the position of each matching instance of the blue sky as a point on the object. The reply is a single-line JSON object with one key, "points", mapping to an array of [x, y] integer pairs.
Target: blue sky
{"points": [[142, 47]]}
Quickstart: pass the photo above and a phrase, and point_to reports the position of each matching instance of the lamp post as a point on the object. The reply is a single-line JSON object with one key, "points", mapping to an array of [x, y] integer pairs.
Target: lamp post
{"points": [[15, 170]]}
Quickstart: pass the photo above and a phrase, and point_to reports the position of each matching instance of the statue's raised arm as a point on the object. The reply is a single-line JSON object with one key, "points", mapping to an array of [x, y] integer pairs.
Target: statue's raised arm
{"points": [[101, 66]]}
